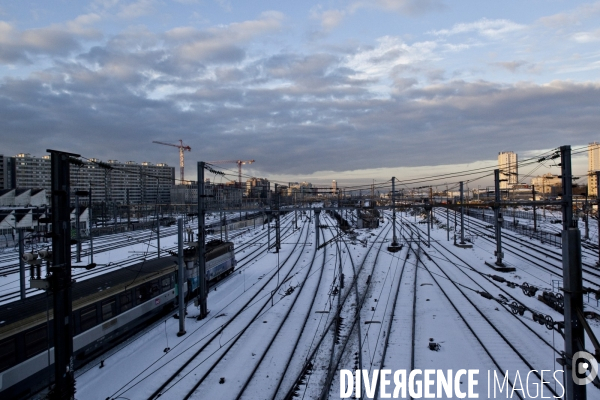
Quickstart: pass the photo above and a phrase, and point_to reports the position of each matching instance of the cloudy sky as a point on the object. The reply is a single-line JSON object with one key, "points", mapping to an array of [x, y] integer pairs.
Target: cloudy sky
{"points": [[311, 90]]}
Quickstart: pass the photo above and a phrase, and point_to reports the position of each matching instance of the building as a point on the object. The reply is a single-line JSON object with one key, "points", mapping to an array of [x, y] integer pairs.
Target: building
{"points": [[223, 195], [23, 198], [7, 176], [32, 172], [185, 194], [258, 188], [3, 173], [509, 172], [14, 218], [333, 187], [593, 166], [123, 183], [111, 182], [303, 188], [547, 184]]}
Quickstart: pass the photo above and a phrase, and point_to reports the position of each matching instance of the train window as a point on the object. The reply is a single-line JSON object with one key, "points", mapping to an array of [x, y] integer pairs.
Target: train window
{"points": [[109, 309], [142, 293], [88, 318], [154, 287], [8, 354], [36, 341], [126, 301], [166, 284]]}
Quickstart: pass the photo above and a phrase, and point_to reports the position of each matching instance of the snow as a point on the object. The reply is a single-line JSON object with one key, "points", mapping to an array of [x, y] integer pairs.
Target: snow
{"points": [[247, 311]]}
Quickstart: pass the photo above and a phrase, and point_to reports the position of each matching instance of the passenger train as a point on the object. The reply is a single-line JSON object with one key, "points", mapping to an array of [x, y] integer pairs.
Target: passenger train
{"points": [[106, 309]]}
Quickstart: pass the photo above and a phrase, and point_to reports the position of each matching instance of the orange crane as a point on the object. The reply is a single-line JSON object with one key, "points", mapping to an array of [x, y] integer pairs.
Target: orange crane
{"points": [[239, 164], [181, 148]]}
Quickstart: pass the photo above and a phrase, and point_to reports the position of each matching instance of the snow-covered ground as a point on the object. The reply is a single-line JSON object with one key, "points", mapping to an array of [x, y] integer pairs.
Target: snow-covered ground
{"points": [[283, 325]]}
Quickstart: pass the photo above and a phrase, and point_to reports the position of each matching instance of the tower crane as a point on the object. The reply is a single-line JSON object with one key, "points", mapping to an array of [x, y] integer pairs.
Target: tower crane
{"points": [[239, 164], [181, 148]]}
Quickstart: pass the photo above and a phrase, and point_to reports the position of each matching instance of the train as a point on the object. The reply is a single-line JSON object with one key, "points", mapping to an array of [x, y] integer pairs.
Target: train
{"points": [[106, 309]]}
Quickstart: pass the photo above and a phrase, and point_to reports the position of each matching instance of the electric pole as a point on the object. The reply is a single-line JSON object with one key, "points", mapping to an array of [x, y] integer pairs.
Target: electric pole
{"points": [[277, 232], [60, 277], [394, 237], [180, 277], [90, 224], [317, 223], [77, 233], [572, 280], [128, 211], [598, 213], [462, 215], [498, 219], [21, 262], [202, 293], [534, 209]]}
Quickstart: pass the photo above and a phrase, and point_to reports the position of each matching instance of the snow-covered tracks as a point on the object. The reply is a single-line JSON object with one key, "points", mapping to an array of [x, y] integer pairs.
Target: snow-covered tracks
{"points": [[500, 346], [211, 355]]}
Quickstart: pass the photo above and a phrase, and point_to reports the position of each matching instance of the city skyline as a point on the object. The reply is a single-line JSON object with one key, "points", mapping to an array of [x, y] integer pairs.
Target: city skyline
{"points": [[314, 91]]}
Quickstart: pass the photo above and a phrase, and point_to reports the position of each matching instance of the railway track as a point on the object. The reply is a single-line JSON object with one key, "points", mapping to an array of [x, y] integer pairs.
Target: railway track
{"points": [[320, 368], [496, 344], [251, 298], [257, 246], [535, 255], [298, 352], [402, 314]]}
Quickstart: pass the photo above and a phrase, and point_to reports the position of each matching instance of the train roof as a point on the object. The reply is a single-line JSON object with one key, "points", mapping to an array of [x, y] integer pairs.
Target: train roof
{"points": [[129, 276]]}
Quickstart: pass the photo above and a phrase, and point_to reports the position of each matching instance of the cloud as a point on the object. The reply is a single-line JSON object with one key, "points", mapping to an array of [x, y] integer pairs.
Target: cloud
{"points": [[494, 29], [390, 56], [114, 102], [389, 104], [407, 7], [54, 40], [511, 66], [136, 9], [220, 44], [571, 18], [224, 4], [586, 37], [329, 19]]}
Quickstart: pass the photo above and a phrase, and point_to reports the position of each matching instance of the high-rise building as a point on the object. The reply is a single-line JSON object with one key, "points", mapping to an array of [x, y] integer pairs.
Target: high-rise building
{"points": [[593, 166], [32, 172], [146, 182], [110, 182], [2, 172], [509, 172], [7, 172], [333, 187]]}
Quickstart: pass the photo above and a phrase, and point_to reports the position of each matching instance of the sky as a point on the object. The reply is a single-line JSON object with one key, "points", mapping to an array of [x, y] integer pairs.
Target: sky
{"points": [[313, 91]]}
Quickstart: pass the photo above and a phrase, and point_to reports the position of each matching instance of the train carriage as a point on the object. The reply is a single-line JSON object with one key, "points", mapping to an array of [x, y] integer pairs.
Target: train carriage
{"points": [[220, 262], [106, 309]]}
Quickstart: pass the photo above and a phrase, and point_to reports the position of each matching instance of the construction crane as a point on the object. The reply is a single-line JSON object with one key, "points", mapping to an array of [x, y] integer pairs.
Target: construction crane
{"points": [[181, 148], [239, 164]]}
